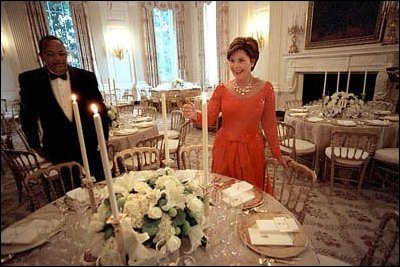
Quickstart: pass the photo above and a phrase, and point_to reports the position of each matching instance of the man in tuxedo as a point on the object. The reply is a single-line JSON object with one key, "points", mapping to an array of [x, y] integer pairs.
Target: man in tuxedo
{"points": [[46, 99]]}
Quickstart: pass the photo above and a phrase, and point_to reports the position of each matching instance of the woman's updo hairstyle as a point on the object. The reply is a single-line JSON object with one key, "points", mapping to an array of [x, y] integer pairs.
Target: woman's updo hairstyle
{"points": [[248, 45]]}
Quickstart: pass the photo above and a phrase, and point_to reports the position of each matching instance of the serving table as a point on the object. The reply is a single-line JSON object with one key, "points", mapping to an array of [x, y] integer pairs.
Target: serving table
{"points": [[68, 245]]}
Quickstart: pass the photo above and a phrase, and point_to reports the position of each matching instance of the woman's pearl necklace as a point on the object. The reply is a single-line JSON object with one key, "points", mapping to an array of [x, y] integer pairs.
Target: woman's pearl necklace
{"points": [[243, 90]]}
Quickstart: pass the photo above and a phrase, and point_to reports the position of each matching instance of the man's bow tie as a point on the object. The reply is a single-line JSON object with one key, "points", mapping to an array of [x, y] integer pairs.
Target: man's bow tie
{"points": [[55, 76]]}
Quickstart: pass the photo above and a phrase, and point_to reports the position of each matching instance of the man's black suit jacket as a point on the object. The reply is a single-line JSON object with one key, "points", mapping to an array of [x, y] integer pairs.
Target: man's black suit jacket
{"points": [[59, 135]]}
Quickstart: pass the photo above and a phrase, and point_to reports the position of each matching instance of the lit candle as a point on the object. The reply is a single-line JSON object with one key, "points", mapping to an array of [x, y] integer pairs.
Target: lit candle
{"points": [[80, 135], [323, 92], [109, 90], [165, 126], [348, 81], [104, 160], [205, 137], [337, 83], [365, 82]]}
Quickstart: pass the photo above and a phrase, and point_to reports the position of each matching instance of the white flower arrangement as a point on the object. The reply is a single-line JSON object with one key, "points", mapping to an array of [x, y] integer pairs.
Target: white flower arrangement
{"points": [[158, 209], [112, 114], [340, 102], [177, 83]]}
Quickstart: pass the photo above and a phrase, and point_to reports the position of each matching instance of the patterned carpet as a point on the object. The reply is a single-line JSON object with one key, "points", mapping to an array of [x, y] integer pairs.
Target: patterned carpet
{"points": [[339, 226]]}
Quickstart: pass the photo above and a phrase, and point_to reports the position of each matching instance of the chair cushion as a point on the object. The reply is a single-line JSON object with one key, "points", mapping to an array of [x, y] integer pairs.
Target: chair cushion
{"points": [[172, 134], [361, 155], [302, 146], [388, 155]]}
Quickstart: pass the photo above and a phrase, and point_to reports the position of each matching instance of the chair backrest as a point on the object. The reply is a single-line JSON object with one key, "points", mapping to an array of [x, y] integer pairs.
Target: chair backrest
{"points": [[379, 105], [183, 131], [286, 138], [125, 108], [47, 184], [21, 163], [136, 159], [176, 119], [7, 127], [292, 186], [156, 141], [155, 95], [352, 146], [22, 136], [382, 247], [293, 104], [191, 157], [148, 111]]}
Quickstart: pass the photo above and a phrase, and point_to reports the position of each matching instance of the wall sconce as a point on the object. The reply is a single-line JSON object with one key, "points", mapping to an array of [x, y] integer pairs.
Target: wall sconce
{"points": [[118, 52], [294, 30], [260, 39]]}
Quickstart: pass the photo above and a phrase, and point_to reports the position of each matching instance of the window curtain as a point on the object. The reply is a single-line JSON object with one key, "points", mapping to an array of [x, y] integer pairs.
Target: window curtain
{"points": [[85, 46], [178, 9], [149, 43], [222, 40], [38, 23]]}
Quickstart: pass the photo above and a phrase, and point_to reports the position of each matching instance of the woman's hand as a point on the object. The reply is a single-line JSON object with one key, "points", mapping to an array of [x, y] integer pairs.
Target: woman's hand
{"points": [[189, 111], [284, 160]]}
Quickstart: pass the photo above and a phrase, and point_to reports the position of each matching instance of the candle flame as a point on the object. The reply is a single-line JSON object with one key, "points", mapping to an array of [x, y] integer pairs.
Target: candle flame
{"points": [[73, 96], [94, 108]]}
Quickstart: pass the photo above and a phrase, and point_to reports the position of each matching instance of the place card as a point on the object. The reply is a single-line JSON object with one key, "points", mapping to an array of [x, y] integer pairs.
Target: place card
{"points": [[277, 225], [275, 239]]}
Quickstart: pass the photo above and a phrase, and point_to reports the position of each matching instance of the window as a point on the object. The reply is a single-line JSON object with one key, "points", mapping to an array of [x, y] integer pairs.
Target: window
{"points": [[210, 44], [61, 25], [166, 50]]}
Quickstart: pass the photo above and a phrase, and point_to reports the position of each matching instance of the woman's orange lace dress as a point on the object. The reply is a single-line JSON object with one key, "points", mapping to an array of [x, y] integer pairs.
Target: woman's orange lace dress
{"points": [[238, 149]]}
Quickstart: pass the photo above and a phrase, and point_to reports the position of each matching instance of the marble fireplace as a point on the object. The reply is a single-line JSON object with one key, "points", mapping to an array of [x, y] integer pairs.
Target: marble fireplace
{"points": [[308, 67]]}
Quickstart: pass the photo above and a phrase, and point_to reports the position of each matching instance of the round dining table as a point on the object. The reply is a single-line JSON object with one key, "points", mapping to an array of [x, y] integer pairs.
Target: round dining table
{"points": [[318, 130], [226, 243]]}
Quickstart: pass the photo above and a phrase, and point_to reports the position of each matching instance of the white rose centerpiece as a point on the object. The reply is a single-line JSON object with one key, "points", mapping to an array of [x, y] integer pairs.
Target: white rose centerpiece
{"points": [[342, 104], [158, 210], [177, 83], [112, 114]]}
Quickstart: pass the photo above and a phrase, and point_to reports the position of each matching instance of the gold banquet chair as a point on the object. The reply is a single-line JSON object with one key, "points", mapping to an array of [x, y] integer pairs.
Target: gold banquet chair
{"points": [[136, 159], [349, 151], [47, 184], [292, 186], [156, 141], [176, 121], [174, 145], [289, 104], [191, 157], [385, 166], [22, 163], [148, 111], [298, 149]]}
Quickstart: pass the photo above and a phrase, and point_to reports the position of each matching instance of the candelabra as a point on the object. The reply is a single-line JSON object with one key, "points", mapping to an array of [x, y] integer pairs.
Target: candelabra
{"points": [[294, 31]]}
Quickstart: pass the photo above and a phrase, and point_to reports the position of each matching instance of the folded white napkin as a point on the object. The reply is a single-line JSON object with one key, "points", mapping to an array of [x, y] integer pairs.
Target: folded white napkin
{"points": [[277, 225], [125, 131], [238, 199], [29, 231], [276, 239]]}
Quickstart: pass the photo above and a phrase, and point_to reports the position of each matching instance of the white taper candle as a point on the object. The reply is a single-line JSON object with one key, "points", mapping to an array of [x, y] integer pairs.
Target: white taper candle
{"points": [[365, 82], [326, 74], [205, 137], [80, 136], [337, 83], [348, 81], [165, 126], [104, 159]]}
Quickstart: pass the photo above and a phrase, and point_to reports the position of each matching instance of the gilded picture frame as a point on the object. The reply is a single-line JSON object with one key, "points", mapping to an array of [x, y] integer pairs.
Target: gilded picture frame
{"points": [[343, 23]]}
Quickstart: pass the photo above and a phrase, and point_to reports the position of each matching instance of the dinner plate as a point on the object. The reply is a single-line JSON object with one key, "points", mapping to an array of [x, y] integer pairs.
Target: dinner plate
{"points": [[346, 123], [300, 114], [314, 119], [376, 122], [298, 109], [142, 119], [276, 251], [144, 124], [254, 202], [390, 118]]}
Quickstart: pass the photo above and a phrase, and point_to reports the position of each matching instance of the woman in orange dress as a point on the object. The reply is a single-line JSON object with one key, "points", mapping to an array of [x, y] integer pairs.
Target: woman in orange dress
{"points": [[246, 103]]}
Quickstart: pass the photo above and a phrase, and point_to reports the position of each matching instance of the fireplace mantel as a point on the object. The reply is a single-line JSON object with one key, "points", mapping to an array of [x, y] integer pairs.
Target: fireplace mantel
{"points": [[372, 58]]}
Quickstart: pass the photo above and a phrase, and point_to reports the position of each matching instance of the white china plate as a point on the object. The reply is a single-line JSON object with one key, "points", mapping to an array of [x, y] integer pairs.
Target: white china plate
{"points": [[299, 114], [390, 118], [376, 122], [346, 123], [314, 119]]}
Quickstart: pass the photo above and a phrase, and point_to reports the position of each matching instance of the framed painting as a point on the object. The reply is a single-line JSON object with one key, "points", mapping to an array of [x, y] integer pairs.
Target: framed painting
{"points": [[342, 23]]}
